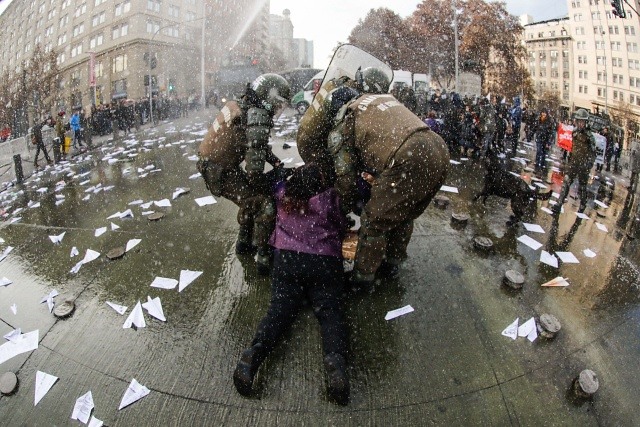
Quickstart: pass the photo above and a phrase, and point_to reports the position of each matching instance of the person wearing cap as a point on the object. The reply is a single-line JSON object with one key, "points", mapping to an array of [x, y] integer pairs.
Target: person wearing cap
{"points": [[583, 155]]}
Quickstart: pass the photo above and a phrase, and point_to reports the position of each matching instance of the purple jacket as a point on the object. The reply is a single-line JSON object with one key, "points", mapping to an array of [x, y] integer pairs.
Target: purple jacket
{"points": [[319, 230]]}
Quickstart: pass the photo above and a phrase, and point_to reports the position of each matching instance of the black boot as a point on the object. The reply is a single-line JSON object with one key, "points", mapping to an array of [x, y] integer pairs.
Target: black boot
{"points": [[243, 244], [263, 261], [247, 367], [338, 381], [388, 270]]}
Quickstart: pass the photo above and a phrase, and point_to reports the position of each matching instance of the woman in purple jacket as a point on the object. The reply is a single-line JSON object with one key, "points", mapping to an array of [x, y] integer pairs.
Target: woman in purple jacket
{"points": [[307, 263]]}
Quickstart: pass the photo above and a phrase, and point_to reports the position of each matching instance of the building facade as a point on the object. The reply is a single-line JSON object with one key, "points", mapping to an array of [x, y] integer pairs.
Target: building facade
{"points": [[550, 58], [112, 49]]}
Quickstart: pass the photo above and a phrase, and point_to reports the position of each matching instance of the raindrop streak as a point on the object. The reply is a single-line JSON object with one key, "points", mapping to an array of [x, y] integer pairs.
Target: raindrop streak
{"points": [[258, 5]]}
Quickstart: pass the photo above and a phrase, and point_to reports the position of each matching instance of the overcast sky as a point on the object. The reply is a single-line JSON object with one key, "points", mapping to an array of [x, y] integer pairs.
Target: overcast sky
{"points": [[328, 22]]}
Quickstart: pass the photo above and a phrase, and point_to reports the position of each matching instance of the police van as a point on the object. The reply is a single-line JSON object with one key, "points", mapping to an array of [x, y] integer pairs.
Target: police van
{"points": [[302, 99]]}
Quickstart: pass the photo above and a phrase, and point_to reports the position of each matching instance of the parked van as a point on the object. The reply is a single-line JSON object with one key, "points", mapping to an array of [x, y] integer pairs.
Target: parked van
{"points": [[302, 99]]}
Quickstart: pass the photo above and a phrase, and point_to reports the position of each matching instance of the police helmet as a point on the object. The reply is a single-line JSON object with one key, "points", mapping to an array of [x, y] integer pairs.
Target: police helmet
{"points": [[582, 114], [374, 80], [271, 89]]}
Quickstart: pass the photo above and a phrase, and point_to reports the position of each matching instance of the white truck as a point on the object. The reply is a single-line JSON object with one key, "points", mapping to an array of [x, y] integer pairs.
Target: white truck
{"points": [[418, 82]]}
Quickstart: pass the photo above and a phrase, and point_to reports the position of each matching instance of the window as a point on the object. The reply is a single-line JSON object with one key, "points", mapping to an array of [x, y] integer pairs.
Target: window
{"points": [[78, 29], [98, 19], [615, 46], [64, 21], [99, 69], [190, 16], [153, 5], [65, 4], [80, 10], [51, 13], [634, 64], [153, 26], [60, 59], [632, 98], [632, 47], [602, 76], [76, 50], [62, 39], [119, 63], [599, 44], [613, 29], [582, 59], [174, 11], [582, 74], [172, 31], [595, 16], [616, 62], [49, 31], [119, 87], [577, 17], [122, 8], [96, 40], [99, 2], [579, 31], [120, 31]]}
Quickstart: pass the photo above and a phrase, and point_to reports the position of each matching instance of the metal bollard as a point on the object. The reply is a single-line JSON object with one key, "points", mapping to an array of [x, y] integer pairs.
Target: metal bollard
{"points": [[57, 155], [17, 161]]}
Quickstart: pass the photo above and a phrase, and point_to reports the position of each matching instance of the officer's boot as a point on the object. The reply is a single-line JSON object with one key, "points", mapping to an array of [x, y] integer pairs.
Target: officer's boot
{"points": [[397, 241], [247, 367], [338, 381], [244, 244], [263, 260], [369, 255]]}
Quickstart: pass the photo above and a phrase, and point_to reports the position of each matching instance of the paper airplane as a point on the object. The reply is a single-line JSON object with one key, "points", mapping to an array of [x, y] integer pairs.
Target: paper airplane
{"points": [[126, 214], [121, 309], [132, 244], [535, 228], [94, 422], [114, 226], [581, 215], [83, 407], [5, 282], [567, 258], [164, 283], [90, 255], [547, 258], [57, 239], [146, 205], [589, 253], [164, 203], [449, 189], [74, 252], [601, 204], [154, 308], [557, 282], [14, 335], [136, 202], [601, 227], [100, 231], [528, 329], [115, 215], [186, 277], [178, 192], [87, 197], [6, 252], [28, 342], [204, 201], [44, 382], [49, 299], [135, 392], [511, 331], [532, 243], [136, 318], [398, 312], [14, 308]]}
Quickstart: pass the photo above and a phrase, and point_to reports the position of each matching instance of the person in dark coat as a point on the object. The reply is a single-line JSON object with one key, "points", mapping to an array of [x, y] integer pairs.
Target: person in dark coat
{"points": [[36, 135], [545, 130]]}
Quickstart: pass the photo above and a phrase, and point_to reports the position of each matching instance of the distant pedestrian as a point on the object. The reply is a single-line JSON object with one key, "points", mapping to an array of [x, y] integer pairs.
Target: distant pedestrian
{"points": [[74, 122], [545, 131], [36, 139]]}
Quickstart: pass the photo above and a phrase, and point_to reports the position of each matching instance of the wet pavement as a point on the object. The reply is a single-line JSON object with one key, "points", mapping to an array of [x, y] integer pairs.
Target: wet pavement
{"points": [[444, 363]]}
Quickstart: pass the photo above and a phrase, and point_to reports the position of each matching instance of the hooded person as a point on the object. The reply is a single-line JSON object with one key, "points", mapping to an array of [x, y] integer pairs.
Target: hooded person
{"points": [[240, 133]]}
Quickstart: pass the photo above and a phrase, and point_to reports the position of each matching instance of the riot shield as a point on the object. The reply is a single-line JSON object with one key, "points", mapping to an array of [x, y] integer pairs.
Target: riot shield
{"points": [[347, 60]]}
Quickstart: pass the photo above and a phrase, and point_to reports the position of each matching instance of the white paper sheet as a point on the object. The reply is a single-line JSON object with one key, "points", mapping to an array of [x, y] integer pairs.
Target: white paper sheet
{"points": [[13, 336], [115, 215], [136, 317], [132, 244], [5, 282], [511, 331], [14, 308], [557, 282], [100, 231], [114, 226], [83, 407], [6, 252], [602, 227], [567, 258], [398, 312], [454, 162], [120, 309], [582, 215], [146, 205], [532, 243], [528, 329], [164, 283], [204, 201], [549, 259], [164, 203], [449, 189], [154, 308], [178, 192], [186, 277], [601, 204], [535, 228], [589, 253], [547, 210], [94, 422], [74, 252], [44, 382], [57, 239], [135, 392], [29, 342], [195, 176], [136, 202]]}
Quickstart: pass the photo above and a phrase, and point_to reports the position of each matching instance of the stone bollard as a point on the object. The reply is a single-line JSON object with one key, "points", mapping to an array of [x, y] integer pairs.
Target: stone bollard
{"points": [[459, 219], [64, 310], [548, 326], [57, 153], [441, 202], [8, 383], [586, 384], [482, 243], [116, 253], [17, 161], [513, 279]]}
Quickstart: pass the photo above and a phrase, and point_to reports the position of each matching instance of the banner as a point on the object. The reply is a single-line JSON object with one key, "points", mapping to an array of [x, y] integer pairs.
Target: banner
{"points": [[564, 138], [601, 145]]}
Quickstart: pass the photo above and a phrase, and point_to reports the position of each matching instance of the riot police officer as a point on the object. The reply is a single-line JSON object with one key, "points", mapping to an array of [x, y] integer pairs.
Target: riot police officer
{"points": [[583, 154], [240, 133], [374, 133]]}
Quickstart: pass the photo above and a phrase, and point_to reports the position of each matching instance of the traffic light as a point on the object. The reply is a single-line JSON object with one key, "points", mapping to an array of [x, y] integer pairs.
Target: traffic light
{"points": [[618, 8]]}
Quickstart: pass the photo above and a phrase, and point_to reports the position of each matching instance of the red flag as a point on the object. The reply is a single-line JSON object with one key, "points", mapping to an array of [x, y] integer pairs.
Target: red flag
{"points": [[565, 136]]}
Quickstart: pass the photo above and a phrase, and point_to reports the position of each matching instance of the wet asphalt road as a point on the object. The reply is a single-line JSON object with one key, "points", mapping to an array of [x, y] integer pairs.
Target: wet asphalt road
{"points": [[445, 363]]}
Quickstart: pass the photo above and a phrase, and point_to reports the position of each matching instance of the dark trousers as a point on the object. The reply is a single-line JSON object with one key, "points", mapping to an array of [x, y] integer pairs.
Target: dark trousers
{"points": [[319, 278], [40, 147], [541, 154]]}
